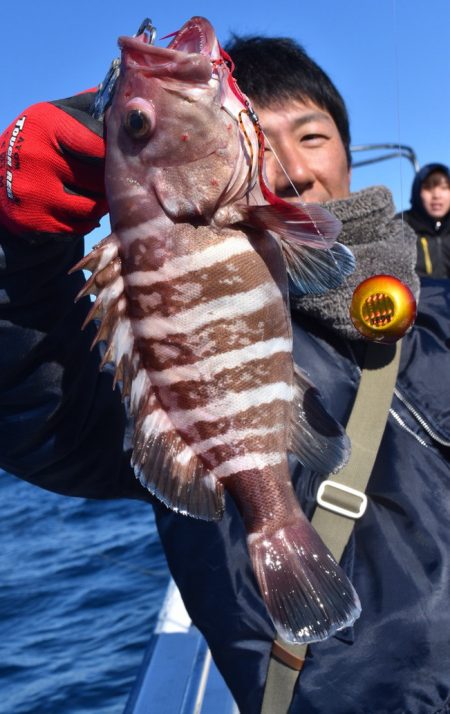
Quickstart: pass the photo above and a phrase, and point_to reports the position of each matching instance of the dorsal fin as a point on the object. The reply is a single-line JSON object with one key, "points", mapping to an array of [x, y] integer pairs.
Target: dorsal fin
{"points": [[162, 460]]}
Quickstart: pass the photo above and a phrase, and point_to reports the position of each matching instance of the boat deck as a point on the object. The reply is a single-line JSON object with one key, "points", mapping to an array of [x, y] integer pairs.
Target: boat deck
{"points": [[178, 674]]}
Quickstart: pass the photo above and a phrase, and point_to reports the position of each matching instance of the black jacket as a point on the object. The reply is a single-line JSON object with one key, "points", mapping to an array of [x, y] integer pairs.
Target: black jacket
{"points": [[396, 659], [63, 428], [433, 237]]}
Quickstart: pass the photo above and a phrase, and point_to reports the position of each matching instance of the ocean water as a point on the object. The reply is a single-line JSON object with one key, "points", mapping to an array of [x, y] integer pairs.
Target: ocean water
{"points": [[81, 583]]}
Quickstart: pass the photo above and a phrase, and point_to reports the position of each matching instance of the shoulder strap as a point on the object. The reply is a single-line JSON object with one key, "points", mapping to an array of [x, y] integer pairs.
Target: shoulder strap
{"points": [[341, 500]]}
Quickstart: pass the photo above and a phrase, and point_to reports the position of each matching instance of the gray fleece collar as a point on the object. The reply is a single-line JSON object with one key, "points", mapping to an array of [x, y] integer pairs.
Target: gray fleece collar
{"points": [[380, 243]]}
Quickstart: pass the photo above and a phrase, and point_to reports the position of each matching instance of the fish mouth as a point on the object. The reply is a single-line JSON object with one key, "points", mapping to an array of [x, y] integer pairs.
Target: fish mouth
{"points": [[196, 35], [189, 53]]}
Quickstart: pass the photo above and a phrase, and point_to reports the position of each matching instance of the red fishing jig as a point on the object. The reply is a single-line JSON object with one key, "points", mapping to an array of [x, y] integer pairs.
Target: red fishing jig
{"points": [[383, 308]]}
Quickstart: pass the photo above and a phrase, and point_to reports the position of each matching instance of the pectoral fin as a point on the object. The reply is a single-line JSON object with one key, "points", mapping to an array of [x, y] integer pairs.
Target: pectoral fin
{"points": [[314, 261], [317, 439], [309, 225], [313, 271]]}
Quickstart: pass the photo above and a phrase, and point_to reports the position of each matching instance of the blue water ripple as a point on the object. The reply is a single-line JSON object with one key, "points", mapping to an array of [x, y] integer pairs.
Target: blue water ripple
{"points": [[81, 583]]}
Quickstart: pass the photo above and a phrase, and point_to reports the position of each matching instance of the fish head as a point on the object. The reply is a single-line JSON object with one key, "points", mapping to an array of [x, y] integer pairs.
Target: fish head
{"points": [[177, 131]]}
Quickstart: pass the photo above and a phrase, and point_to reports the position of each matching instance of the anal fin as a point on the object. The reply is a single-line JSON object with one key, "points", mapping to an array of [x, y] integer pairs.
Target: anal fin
{"points": [[169, 469]]}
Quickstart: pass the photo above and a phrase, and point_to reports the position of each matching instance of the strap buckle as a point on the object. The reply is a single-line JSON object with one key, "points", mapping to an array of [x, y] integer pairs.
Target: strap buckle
{"points": [[340, 502]]}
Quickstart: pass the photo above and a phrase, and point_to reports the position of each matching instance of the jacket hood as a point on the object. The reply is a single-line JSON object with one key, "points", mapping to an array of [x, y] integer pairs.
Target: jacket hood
{"points": [[416, 201]]}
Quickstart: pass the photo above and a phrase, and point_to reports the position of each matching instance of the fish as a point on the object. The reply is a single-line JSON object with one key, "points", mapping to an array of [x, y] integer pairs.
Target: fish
{"points": [[191, 292]]}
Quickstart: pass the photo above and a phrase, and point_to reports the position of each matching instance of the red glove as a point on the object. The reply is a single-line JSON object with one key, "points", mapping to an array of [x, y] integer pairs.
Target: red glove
{"points": [[52, 170]]}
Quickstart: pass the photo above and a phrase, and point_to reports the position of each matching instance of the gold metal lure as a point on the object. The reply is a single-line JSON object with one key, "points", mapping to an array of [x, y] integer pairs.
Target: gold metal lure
{"points": [[383, 308]]}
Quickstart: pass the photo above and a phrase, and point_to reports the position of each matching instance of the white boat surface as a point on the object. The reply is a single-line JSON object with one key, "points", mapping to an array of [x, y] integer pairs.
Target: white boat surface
{"points": [[178, 674]]}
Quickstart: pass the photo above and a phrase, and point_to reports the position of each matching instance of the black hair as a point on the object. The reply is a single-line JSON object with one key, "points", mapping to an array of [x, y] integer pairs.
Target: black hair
{"points": [[436, 178], [276, 69]]}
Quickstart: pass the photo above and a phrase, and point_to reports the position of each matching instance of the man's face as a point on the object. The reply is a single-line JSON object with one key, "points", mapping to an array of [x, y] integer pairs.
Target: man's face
{"points": [[310, 150], [435, 195]]}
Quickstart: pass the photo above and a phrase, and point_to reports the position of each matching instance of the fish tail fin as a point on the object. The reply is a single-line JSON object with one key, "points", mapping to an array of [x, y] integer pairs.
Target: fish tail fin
{"points": [[307, 594]]}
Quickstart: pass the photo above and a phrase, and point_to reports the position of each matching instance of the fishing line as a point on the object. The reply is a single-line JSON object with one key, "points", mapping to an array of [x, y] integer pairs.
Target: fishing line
{"points": [[398, 117], [397, 98], [280, 163]]}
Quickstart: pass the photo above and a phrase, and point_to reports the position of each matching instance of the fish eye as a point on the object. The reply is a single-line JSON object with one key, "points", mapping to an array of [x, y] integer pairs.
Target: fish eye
{"points": [[138, 124]]}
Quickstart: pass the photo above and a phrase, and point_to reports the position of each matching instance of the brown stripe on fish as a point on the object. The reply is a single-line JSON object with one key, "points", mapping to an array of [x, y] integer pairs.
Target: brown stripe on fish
{"points": [[208, 340], [216, 363], [237, 436], [245, 416], [148, 253], [136, 214], [196, 288], [198, 392], [225, 277], [240, 412], [242, 417], [184, 322], [197, 256], [270, 443], [231, 404], [179, 241]]}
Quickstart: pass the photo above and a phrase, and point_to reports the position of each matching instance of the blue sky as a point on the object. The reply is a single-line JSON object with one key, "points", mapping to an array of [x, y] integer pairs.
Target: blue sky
{"points": [[389, 59]]}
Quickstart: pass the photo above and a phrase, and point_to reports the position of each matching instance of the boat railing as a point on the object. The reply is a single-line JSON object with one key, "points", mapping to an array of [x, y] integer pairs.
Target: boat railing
{"points": [[390, 151], [178, 674]]}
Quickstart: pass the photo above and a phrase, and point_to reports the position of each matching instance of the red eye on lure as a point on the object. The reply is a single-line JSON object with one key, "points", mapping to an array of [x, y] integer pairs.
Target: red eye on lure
{"points": [[383, 308]]}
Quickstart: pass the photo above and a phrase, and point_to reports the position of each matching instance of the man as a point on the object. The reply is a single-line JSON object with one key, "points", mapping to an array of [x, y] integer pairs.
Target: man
{"points": [[396, 657], [429, 216]]}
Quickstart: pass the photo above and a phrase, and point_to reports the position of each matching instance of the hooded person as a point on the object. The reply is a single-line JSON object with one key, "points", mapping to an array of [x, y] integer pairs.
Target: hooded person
{"points": [[429, 216]]}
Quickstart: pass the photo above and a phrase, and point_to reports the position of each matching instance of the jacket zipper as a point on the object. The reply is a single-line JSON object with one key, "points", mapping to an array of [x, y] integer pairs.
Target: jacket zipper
{"points": [[420, 419], [410, 408], [426, 255], [406, 428]]}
